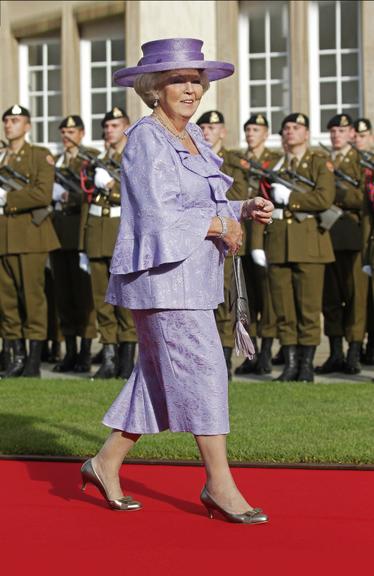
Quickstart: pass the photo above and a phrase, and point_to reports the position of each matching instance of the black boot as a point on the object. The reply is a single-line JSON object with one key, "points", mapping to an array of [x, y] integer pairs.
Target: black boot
{"points": [[17, 365], [249, 364], [335, 362], [55, 352], [45, 351], [291, 368], [352, 363], [227, 352], [306, 371], [126, 355], [32, 366], [83, 363], [264, 365], [278, 359], [98, 358], [5, 356], [68, 362], [368, 357], [109, 367]]}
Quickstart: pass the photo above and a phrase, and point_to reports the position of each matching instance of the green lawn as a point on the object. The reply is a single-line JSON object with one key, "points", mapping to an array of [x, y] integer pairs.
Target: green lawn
{"points": [[270, 422]]}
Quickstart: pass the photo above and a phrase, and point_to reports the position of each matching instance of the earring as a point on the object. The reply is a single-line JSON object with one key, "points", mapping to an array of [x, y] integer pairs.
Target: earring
{"points": [[155, 103]]}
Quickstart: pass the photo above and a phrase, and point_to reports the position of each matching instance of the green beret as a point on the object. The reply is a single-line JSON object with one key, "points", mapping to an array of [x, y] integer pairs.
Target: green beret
{"points": [[341, 120], [211, 117], [114, 114], [72, 121], [16, 110]]}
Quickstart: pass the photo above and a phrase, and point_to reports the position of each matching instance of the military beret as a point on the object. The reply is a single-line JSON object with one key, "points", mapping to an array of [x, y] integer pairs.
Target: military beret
{"points": [[341, 120], [362, 125], [114, 114], [258, 119], [297, 118], [72, 121], [211, 117], [16, 110]]}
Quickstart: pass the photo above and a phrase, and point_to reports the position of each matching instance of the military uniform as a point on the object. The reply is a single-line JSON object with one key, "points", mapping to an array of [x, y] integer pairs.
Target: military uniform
{"points": [[26, 238], [72, 284], [345, 286]]}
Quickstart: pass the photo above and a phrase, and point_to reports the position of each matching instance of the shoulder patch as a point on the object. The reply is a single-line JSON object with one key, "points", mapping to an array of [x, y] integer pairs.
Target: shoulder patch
{"points": [[330, 166], [50, 160]]}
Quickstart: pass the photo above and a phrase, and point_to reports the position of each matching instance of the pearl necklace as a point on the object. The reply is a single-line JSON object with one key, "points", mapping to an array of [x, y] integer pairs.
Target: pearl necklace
{"points": [[180, 135]]}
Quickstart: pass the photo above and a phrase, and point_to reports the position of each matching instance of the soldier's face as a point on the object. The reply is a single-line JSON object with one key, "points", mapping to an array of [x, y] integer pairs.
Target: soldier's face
{"points": [[341, 136], [363, 140], [213, 133], [255, 135], [113, 131], [76, 134], [180, 92], [294, 134], [16, 127]]}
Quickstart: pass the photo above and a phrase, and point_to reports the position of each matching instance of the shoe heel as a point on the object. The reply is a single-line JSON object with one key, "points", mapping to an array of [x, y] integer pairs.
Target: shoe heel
{"points": [[209, 510], [83, 487]]}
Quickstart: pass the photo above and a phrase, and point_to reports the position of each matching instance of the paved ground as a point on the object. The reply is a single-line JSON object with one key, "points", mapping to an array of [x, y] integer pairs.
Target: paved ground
{"points": [[322, 352]]}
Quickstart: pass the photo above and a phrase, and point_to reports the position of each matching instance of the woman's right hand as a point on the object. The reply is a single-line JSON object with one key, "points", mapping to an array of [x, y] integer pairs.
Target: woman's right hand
{"points": [[233, 238]]}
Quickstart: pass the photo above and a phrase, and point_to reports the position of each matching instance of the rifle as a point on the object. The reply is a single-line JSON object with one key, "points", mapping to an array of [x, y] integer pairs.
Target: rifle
{"points": [[8, 182], [365, 157], [17, 175], [38, 214], [93, 160], [272, 176], [339, 174], [68, 183]]}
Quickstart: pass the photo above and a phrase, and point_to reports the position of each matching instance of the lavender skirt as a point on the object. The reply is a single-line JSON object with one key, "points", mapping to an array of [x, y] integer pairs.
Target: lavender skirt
{"points": [[180, 379]]}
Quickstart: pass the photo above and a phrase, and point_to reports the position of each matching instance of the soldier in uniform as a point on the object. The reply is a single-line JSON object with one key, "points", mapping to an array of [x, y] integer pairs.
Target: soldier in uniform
{"points": [[297, 249], [364, 143], [345, 287], [263, 319], [212, 124], [100, 222], [26, 237], [72, 283]]}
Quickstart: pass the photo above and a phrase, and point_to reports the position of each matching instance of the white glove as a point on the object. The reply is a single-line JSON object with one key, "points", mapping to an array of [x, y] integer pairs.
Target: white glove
{"points": [[259, 257], [367, 270], [280, 193], [84, 263], [58, 192], [102, 178], [3, 196]]}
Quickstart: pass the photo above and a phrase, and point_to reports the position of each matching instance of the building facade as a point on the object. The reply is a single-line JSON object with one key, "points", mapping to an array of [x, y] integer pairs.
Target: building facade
{"points": [[311, 56]]}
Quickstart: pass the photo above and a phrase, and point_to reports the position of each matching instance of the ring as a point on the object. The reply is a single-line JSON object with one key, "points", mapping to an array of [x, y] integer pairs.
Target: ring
{"points": [[270, 221]]}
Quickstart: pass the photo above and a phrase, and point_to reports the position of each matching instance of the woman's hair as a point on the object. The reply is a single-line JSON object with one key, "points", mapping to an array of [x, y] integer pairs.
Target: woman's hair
{"points": [[145, 85]]}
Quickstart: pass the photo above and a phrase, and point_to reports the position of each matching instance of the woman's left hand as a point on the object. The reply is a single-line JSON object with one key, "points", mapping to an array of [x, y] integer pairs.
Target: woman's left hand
{"points": [[258, 209]]}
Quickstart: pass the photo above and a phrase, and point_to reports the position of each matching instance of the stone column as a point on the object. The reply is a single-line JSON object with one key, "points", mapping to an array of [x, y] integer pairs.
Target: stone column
{"points": [[70, 61], [9, 67], [298, 34], [133, 52], [367, 72]]}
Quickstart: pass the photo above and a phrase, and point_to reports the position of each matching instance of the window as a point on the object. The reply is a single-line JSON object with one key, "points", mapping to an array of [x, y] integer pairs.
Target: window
{"points": [[40, 88], [334, 62], [264, 62], [100, 58]]}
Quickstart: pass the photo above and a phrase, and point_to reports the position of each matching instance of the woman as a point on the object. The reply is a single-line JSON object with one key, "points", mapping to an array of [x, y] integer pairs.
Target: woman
{"points": [[167, 267]]}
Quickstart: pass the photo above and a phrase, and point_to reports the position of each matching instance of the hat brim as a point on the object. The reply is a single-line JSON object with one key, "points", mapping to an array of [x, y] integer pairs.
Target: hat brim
{"points": [[214, 70]]}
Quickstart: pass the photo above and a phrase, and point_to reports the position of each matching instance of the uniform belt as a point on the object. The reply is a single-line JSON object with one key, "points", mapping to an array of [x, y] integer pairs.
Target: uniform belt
{"points": [[106, 211], [282, 213]]}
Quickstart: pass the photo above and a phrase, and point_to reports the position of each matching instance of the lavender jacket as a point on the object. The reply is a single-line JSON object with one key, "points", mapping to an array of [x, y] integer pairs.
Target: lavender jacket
{"points": [[162, 258]]}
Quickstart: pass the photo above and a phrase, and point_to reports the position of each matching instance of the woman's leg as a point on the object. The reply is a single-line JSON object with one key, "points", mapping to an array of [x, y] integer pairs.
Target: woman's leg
{"points": [[220, 483], [108, 460]]}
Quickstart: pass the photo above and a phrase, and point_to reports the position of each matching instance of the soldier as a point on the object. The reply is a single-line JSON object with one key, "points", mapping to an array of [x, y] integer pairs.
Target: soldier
{"points": [[212, 124], [72, 283], [297, 248], [100, 222], [26, 237], [364, 144], [263, 319], [345, 287]]}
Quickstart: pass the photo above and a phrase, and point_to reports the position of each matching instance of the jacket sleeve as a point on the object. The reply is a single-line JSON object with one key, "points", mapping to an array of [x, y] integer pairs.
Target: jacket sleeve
{"points": [[156, 227]]}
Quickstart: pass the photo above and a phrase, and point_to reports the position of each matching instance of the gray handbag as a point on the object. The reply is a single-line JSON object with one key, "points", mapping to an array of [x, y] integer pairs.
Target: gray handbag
{"points": [[239, 299]]}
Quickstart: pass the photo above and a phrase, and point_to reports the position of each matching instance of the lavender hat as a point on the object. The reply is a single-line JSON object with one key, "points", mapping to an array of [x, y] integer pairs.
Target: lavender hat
{"points": [[171, 54]]}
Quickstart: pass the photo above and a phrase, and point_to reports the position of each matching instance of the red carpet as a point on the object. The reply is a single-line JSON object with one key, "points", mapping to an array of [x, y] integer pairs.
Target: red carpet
{"points": [[322, 522]]}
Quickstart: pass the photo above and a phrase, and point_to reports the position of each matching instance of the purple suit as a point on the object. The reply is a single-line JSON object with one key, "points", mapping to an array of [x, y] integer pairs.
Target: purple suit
{"points": [[171, 276]]}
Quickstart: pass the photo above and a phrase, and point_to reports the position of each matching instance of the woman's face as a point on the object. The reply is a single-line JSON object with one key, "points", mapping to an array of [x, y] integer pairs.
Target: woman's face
{"points": [[180, 92]]}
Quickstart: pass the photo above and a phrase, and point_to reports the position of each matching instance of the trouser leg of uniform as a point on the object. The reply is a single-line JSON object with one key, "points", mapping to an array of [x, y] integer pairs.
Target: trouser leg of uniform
{"points": [[370, 307], [126, 325], [53, 324], [355, 309], [253, 275], [333, 298], [11, 321], [28, 272], [280, 277], [308, 288], [268, 321], [224, 317]]}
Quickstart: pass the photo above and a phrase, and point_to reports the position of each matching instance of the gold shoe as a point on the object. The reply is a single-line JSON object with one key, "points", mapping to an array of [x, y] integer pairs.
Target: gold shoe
{"points": [[255, 516], [90, 476]]}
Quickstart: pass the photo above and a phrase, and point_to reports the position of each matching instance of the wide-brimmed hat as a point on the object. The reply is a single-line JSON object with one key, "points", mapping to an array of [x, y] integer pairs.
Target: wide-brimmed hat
{"points": [[172, 54]]}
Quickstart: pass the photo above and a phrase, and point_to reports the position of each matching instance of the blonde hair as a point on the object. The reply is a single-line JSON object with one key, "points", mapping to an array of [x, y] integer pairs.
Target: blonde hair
{"points": [[145, 85]]}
